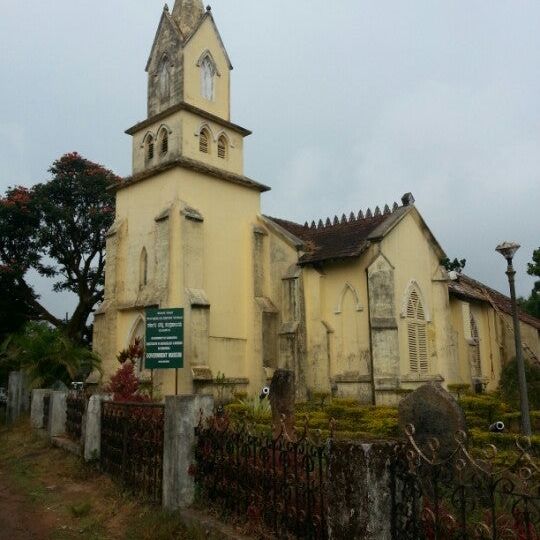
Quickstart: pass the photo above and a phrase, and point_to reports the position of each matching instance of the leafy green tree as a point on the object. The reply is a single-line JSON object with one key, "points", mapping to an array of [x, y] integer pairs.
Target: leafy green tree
{"points": [[58, 229], [509, 383], [47, 355], [455, 265], [532, 304]]}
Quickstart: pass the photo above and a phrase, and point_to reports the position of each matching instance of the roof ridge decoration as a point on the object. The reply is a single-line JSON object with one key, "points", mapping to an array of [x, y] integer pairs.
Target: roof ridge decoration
{"points": [[353, 218]]}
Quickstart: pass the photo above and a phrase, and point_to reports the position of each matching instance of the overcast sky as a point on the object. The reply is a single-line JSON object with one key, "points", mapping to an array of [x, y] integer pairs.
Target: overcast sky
{"points": [[352, 104]]}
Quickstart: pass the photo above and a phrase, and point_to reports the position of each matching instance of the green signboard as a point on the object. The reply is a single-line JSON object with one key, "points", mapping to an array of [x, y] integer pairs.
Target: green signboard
{"points": [[164, 338]]}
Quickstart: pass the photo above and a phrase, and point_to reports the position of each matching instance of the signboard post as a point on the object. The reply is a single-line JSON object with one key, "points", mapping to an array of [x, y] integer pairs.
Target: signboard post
{"points": [[164, 338]]}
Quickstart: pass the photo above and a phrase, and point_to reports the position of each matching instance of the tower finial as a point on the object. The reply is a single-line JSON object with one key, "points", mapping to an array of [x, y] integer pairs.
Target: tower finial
{"points": [[187, 14]]}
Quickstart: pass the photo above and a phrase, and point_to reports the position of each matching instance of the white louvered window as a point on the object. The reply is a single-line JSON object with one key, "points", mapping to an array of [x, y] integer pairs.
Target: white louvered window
{"points": [[204, 141], [476, 366], [417, 334]]}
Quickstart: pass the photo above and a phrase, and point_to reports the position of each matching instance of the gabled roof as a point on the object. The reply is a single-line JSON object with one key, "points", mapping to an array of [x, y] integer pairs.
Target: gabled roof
{"points": [[208, 15], [165, 19], [346, 237], [471, 289]]}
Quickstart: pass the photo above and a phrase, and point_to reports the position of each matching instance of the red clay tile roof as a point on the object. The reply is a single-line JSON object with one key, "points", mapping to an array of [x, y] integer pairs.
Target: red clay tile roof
{"points": [[467, 287], [337, 239]]}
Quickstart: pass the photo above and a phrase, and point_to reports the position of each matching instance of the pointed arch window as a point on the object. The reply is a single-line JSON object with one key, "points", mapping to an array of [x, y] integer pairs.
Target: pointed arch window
{"points": [[223, 147], [163, 141], [164, 79], [204, 141], [208, 73], [149, 148], [417, 333], [476, 366], [143, 268]]}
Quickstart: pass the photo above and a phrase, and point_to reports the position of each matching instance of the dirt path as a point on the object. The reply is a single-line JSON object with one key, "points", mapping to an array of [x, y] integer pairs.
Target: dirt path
{"points": [[18, 520]]}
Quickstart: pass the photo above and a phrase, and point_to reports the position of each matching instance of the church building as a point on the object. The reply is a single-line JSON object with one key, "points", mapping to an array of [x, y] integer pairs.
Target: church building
{"points": [[359, 306]]}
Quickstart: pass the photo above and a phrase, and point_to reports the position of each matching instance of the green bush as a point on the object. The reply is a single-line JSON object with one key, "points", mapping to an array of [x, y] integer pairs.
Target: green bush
{"points": [[502, 441], [236, 409], [488, 406], [476, 421], [509, 386]]}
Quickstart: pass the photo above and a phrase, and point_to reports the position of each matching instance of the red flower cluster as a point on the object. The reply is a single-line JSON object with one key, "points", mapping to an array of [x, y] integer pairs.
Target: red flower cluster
{"points": [[133, 353], [19, 196], [124, 385]]}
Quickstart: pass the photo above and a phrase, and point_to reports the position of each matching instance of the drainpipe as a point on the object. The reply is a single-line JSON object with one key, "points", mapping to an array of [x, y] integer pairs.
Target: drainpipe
{"points": [[371, 369]]}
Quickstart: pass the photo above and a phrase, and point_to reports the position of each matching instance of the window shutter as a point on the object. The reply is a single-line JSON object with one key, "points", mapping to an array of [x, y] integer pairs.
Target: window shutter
{"points": [[203, 141], [164, 142], [413, 346], [222, 148], [417, 334], [476, 368]]}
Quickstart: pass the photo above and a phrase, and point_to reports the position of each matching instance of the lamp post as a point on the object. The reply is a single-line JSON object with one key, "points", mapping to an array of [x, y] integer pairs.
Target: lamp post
{"points": [[508, 250]]}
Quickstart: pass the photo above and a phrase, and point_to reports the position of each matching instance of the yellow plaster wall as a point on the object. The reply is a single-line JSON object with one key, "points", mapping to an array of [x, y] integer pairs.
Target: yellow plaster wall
{"points": [[174, 124], [347, 315], [206, 39], [410, 250], [229, 212], [191, 127], [496, 339], [337, 328]]}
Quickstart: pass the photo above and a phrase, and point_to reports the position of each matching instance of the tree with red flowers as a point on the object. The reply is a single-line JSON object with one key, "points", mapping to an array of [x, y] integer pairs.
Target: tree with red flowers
{"points": [[57, 228]]}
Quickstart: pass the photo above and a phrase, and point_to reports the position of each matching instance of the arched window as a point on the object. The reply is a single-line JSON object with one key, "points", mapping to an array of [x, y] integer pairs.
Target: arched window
{"points": [[163, 141], [149, 148], [208, 72], [417, 333], [223, 147], [164, 79], [476, 366], [143, 268], [204, 141]]}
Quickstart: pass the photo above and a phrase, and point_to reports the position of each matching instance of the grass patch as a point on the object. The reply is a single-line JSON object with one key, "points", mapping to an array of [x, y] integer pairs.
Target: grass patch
{"points": [[73, 498]]}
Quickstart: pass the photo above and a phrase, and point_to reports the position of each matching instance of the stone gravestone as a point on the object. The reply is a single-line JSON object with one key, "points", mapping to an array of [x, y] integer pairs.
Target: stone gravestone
{"points": [[282, 394], [435, 414]]}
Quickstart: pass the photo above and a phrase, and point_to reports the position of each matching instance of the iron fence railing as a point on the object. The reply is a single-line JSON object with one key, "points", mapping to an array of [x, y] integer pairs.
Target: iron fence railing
{"points": [[75, 408], [46, 411], [274, 483], [465, 496], [132, 446]]}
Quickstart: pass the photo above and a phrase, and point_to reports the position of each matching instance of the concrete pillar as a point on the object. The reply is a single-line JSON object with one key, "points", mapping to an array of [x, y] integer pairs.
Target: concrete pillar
{"points": [[36, 408], [18, 396], [182, 415], [57, 414], [92, 427], [359, 498]]}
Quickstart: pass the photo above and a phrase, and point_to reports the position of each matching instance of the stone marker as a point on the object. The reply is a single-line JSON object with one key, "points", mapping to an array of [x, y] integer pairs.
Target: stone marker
{"points": [[282, 396], [435, 414]]}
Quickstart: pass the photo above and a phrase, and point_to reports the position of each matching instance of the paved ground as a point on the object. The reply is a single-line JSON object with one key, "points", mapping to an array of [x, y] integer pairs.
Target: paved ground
{"points": [[18, 519]]}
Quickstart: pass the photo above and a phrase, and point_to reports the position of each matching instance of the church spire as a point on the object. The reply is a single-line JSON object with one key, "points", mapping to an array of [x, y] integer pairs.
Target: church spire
{"points": [[187, 14]]}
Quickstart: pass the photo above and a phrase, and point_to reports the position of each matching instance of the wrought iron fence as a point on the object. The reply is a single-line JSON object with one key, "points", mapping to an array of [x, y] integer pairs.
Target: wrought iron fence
{"points": [[465, 496], [275, 483], [46, 410], [75, 409], [132, 446]]}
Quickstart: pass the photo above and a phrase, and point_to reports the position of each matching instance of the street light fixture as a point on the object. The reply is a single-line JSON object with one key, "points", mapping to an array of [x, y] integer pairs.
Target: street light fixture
{"points": [[508, 250]]}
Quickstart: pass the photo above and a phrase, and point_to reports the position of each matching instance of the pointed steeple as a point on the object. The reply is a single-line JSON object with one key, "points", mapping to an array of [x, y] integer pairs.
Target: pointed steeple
{"points": [[187, 14]]}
